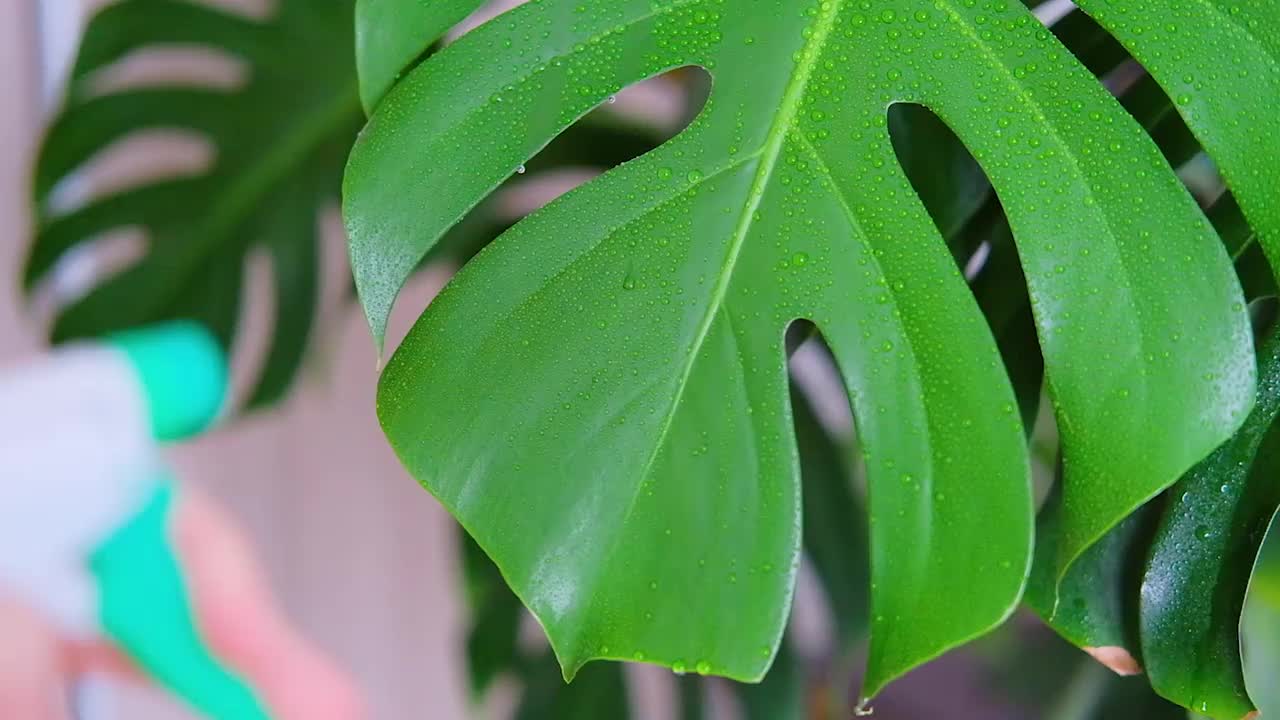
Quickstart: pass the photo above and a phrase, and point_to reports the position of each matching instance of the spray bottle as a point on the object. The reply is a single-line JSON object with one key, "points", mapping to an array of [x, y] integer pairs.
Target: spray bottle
{"points": [[85, 499]]}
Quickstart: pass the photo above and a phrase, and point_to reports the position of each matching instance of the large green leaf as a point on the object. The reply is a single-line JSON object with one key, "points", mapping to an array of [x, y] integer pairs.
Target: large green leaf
{"points": [[600, 395], [280, 141], [1096, 603], [1176, 571], [1202, 557]]}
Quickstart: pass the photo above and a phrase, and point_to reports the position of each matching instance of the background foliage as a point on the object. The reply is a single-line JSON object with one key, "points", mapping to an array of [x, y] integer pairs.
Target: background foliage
{"points": [[279, 139]]}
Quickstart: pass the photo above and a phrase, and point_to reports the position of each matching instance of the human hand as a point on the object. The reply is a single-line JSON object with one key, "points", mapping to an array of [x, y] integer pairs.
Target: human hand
{"points": [[243, 626], [38, 664], [236, 616]]}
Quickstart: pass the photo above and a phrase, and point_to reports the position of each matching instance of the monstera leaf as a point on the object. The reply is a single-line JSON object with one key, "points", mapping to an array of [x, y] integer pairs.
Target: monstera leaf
{"points": [[1198, 568], [280, 141], [600, 396], [1169, 585]]}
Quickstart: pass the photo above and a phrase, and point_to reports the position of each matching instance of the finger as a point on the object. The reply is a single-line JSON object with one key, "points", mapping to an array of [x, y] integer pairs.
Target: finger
{"points": [[240, 621], [83, 658], [31, 682]]}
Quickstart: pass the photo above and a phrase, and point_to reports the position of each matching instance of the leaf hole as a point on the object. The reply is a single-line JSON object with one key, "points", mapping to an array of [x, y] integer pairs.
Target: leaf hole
{"points": [[254, 9], [83, 267], [971, 219], [483, 14], [832, 591], [138, 158], [248, 8], [168, 66], [633, 121], [1050, 12]]}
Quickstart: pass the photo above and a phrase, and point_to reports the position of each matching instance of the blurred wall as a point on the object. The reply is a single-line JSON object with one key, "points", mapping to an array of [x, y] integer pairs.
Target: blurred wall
{"points": [[361, 556], [18, 87]]}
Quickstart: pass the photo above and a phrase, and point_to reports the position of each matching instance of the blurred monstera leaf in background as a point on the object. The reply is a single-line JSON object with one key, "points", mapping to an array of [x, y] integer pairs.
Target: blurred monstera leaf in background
{"points": [[280, 136], [280, 132]]}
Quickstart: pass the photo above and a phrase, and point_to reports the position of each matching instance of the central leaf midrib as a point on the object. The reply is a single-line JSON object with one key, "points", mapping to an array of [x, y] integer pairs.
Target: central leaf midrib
{"points": [[768, 156], [788, 109]]}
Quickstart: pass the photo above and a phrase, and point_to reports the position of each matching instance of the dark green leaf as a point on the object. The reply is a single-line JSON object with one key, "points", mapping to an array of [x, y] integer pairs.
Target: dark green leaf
{"points": [[1202, 556], [1242, 242], [493, 632], [691, 692], [280, 143], [1260, 627], [1093, 47], [599, 691], [835, 529], [1095, 602], [780, 696]]}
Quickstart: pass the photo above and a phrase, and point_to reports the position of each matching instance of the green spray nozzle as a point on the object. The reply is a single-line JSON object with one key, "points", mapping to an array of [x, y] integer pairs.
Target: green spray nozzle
{"points": [[144, 604], [183, 373]]}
